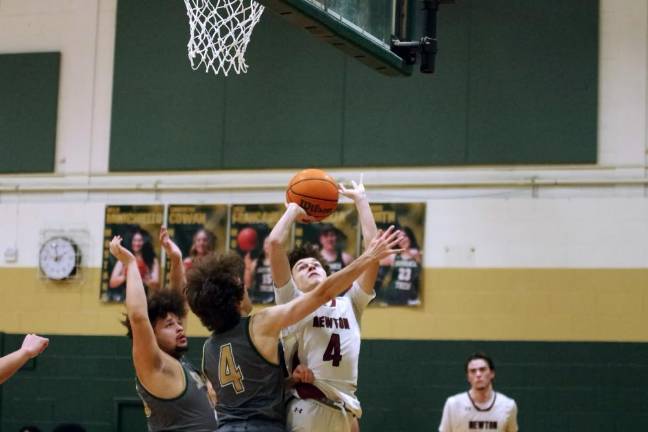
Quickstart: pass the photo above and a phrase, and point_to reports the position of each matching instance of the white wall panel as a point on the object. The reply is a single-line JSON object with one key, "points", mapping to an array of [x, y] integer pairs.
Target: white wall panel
{"points": [[70, 27], [22, 224], [622, 82], [533, 233], [519, 233]]}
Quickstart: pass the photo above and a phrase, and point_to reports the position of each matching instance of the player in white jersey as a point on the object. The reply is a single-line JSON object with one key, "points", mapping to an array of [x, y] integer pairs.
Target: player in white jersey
{"points": [[481, 408], [328, 340]]}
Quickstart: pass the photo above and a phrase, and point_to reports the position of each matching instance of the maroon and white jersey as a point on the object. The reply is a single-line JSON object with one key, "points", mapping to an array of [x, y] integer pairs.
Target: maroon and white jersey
{"points": [[462, 414], [328, 342]]}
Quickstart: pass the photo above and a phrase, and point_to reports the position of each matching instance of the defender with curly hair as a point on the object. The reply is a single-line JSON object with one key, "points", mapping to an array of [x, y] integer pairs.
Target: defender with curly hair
{"points": [[174, 393]]}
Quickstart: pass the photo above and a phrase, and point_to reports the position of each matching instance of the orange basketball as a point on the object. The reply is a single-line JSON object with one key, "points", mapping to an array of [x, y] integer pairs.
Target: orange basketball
{"points": [[314, 191]]}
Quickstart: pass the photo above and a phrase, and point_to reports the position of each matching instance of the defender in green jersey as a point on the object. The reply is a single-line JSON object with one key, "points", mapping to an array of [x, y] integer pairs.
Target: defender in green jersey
{"points": [[174, 393]]}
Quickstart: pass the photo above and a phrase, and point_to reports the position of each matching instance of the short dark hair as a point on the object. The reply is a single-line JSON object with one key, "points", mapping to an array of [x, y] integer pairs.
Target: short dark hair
{"points": [[307, 250], [327, 228], [29, 429], [160, 304], [215, 291], [479, 356]]}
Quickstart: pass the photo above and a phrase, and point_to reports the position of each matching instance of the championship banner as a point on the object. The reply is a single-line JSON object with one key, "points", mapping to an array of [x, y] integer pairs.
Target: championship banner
{"points": [[139, 227], [336, 237], [198, 230], [400, 276], [250, 224]]}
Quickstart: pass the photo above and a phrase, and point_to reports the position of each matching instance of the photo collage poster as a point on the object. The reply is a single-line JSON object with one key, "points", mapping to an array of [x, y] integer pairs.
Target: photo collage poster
{"points": [[250, 225], [400, 276], [139, 226], [336, 237], [243, 228], [198, 230]]}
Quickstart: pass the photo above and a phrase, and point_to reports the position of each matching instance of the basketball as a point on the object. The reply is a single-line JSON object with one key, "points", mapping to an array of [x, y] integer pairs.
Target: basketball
{"points": [[247, 239], [314, 191]]}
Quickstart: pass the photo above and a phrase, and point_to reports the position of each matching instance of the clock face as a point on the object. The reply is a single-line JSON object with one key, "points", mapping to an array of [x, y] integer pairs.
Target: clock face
{"points": [[58, 258]]}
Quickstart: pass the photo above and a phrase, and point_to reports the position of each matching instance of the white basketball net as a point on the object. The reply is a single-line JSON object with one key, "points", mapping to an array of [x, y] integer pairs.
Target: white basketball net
{"points": [[220, 31]]}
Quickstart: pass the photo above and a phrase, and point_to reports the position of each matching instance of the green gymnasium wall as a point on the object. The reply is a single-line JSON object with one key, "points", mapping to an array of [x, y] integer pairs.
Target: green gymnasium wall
{"points": [[29, 89], [403, 384], [516, 84], [79, 379]]}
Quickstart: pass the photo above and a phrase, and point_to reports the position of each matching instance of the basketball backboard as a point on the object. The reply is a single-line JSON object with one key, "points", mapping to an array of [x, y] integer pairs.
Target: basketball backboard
{"points": [[362, 28]]}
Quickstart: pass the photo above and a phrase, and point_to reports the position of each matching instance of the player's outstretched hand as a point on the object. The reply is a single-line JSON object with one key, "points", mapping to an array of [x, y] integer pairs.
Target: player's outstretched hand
{"points": [[302, 374], [384, 244], [300, 213], [172, 250], [356, 192], [119, 251], [33, 345], [249, 263]]}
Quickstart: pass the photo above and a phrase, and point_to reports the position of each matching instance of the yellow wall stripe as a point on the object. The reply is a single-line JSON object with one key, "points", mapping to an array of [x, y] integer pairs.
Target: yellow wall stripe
{"points": [[483, 304]]}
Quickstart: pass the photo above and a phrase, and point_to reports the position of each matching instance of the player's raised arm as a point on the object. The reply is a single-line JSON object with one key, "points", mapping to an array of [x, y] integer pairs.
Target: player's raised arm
{"points": [[271, 320], [32, 346], [147, 356], [277, 240], [117, 277], [358, 195], [249, 269], [152, 279], [177, 278]]}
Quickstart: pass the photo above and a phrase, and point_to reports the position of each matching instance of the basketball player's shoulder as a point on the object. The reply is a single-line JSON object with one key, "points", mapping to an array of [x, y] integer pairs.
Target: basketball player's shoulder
{"points": [[459, 399], [355, 290], [358, 297], [286, 292], [505, 401], [185, 362], [288, 286], [340, 304]]}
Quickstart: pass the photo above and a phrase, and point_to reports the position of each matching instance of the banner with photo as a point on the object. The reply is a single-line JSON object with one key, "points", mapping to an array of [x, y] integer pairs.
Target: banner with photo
{"points": [[336, 237], [139, 226], [250, 224], [198, 230], [400, 276]]}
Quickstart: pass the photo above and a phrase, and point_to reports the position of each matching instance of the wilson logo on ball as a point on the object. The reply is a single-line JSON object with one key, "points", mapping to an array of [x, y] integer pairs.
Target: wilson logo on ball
{"points": [[311, 207]]}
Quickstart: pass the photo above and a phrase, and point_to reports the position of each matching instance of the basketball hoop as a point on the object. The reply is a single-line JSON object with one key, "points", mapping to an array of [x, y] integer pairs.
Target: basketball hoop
{"points": [[219, 32]]}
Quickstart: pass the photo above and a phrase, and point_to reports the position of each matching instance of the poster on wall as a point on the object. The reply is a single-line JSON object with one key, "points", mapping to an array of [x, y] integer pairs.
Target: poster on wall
{"points": [[139, 226], [198, 230], [336, 237], [250, 224], [400, 277]]}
